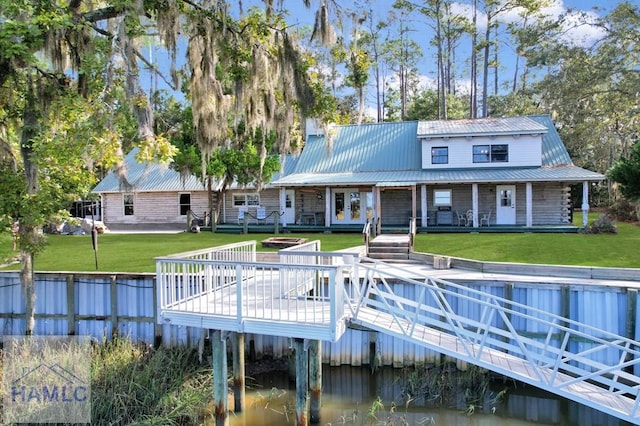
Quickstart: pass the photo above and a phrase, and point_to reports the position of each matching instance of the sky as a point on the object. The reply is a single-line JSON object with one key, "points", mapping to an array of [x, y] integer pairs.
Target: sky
{"points": [[580, 35]]}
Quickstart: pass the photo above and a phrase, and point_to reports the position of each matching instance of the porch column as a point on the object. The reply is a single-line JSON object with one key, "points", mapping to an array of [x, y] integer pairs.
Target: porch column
{"points": [[414, 202], [529, 202], [585, 203], [378, 211], [327, 206], [474, 203], [220, 394], [283, 205], [423, 205]]}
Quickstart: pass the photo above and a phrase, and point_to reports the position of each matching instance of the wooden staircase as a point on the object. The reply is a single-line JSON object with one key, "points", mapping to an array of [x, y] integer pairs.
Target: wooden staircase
{"points": [[390, 247]]}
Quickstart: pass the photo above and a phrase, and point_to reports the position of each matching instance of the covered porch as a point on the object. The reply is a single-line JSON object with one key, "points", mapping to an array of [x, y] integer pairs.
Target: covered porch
{"points": [[436, 207]]}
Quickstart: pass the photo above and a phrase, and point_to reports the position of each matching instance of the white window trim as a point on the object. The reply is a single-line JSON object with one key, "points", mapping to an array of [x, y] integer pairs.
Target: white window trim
{"points": [[243, 199], [435, 198]]}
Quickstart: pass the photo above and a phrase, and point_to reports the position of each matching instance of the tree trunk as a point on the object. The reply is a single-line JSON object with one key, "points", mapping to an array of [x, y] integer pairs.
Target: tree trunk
{"points": [[28, 230], [28, 289], [473, 95]]}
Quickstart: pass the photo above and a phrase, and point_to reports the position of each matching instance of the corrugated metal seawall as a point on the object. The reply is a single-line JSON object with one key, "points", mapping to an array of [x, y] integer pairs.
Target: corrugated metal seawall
{"points": [[100, 305]]}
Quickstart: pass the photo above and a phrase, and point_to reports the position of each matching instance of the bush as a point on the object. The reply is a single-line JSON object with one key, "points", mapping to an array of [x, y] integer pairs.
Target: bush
{"points": [[623, 210], [602, 225]]}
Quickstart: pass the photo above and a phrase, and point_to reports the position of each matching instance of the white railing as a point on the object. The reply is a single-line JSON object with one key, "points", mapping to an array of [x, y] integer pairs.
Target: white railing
{"points": [[227, 281], [578, 352], [240, 252], [253, 290], [184, 276]]}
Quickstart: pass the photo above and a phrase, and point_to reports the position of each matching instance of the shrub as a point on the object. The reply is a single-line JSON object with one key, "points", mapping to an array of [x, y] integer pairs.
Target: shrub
{"points": [[623, 210], [602, 225]]}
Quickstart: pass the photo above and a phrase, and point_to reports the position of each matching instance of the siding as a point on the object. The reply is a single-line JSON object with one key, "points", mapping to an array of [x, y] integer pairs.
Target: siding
{"points": [[269, 199], [151, 207], [524, 151]]}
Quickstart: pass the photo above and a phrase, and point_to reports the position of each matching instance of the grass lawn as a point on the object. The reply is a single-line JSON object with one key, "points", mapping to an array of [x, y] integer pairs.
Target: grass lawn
{"points": [[135, 252]]}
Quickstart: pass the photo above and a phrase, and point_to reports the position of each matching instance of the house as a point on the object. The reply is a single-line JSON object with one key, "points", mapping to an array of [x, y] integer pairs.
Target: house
{"points": [[502, 173], [509, 172], [156, 196], [153, 196]]}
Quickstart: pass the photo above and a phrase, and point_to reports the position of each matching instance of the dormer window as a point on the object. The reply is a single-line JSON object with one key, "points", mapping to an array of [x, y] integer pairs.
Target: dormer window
{"points": [[440, 155], [490, 153]]}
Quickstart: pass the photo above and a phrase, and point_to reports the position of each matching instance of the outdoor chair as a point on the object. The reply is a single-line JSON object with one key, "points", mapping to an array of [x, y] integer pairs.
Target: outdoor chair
{"points": [[486, 218], [469, 217], [462, 218], [261, 215], [241, 212]]}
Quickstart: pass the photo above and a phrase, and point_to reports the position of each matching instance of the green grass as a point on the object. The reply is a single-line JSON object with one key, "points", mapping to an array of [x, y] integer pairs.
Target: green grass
{"points": [[136, 252]]}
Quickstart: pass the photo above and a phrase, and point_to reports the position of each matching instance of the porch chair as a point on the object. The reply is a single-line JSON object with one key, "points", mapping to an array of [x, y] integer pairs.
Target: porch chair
{"points": [[241, 212], [486, 218], [469, 217], [261, 215], [462, 218]]}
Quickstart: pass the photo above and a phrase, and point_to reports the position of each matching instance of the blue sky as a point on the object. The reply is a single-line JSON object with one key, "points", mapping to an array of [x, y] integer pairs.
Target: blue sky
{"points": [[576, 34]]}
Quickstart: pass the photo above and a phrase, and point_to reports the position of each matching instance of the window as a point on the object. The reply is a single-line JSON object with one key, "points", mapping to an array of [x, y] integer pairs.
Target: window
{"points": [[490, 153], [240, 200], [439, 155], [185, 204], [499, 153], [442, 197], [128, 204]]}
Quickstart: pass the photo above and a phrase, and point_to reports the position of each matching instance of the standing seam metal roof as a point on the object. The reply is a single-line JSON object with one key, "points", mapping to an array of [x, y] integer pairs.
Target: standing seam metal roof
{"points": [[391, 152]]}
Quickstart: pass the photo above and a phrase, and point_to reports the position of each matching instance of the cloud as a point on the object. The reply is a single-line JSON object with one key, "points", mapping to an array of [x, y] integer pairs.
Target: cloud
{"points": [[579, 25]]}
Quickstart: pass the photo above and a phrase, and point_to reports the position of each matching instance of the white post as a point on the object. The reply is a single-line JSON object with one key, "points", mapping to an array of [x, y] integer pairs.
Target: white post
{"points": [[423, 205], [327, 206], [283, 206], [529, 202], [585, 203], [474, 203]]}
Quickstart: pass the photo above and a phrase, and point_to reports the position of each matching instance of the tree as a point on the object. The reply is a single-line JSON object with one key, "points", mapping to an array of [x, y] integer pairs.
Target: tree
{"points": [[70, 75], [626, 172]]}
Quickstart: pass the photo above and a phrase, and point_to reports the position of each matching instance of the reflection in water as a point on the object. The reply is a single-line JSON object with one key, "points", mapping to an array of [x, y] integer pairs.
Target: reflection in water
{"points": [[349, 393]]}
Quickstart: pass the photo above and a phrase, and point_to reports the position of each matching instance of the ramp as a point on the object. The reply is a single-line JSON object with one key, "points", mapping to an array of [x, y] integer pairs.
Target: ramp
{"points": [[570, 359]]}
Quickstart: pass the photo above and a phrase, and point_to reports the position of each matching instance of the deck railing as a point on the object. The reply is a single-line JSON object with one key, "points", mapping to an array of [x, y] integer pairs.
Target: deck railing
{"points": [[220, 282], [562, 346]]}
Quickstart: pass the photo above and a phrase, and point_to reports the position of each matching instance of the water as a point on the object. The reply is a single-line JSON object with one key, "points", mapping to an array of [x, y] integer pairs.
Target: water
{"points": [[349, 393]]}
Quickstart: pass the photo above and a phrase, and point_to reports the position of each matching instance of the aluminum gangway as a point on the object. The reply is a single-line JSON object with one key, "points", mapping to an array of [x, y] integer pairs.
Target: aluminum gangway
{"points": [[313, 293], [571, 359]]}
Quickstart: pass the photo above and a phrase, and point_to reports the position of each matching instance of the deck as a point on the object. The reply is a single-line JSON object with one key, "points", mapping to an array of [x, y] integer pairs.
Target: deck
{"points": [[315, 295]]}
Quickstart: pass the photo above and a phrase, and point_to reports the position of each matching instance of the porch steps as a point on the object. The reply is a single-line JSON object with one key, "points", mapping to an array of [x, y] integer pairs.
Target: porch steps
{"points": [[390, 247]]}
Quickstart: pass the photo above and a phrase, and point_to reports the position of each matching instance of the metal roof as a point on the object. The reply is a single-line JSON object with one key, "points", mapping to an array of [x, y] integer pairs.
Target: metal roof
{"points": [[390, 154], [364, 147], [148, 177], [569, 173], [480, 126]]}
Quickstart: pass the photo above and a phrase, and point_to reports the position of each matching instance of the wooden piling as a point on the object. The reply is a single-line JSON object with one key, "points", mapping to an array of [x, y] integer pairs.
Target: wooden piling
{"points": [[220, 393], [302, 382], [315, 380], [238, 373]]}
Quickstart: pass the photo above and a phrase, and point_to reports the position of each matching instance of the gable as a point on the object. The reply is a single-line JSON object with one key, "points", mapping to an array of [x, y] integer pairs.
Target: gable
{"points": [[363, 148]]}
